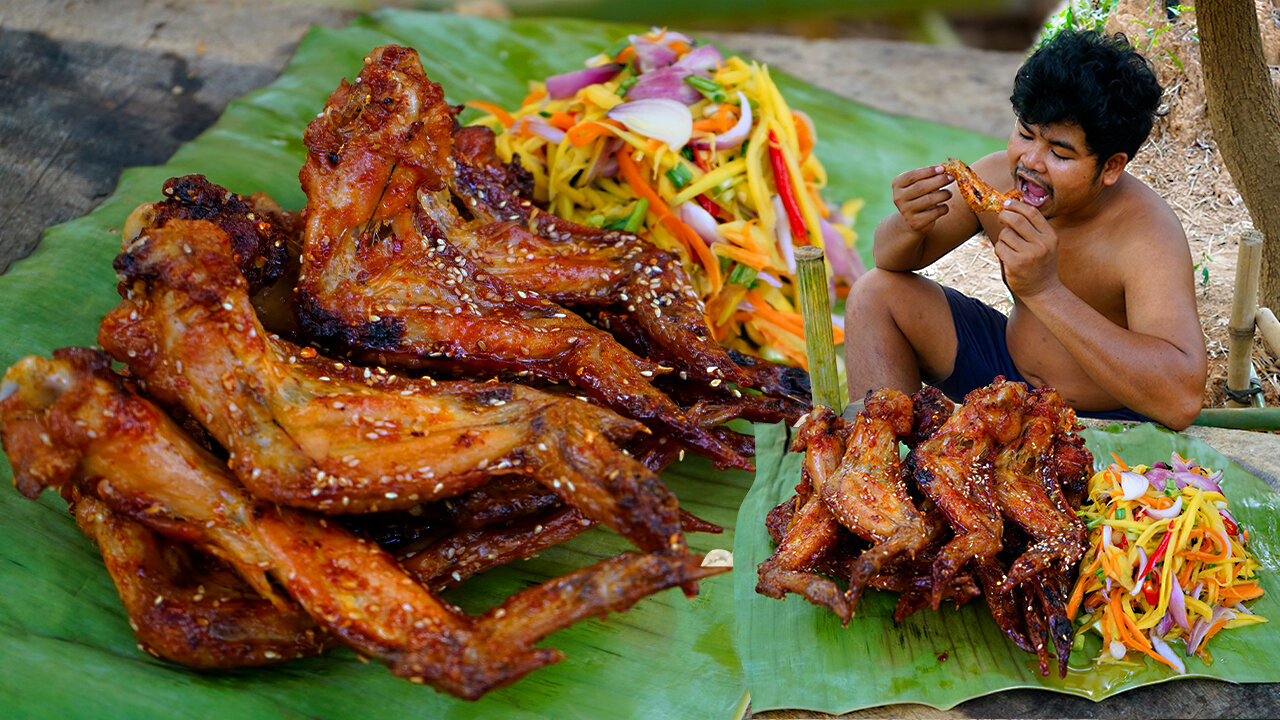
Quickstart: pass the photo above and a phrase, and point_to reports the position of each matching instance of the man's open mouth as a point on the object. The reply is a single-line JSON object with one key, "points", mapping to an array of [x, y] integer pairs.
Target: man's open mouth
{"points": [[1033, 194]]}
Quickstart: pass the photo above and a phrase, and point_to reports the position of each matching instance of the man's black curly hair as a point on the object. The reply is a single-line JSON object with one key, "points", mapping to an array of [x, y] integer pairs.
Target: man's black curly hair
{"points": [[1096, 81]]}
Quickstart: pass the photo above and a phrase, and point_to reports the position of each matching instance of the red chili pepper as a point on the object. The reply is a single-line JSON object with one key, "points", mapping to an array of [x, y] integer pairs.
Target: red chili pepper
{"points": [[1232, 528], [1149, 590], [700, 159], [1151, 561], [786, 191]]}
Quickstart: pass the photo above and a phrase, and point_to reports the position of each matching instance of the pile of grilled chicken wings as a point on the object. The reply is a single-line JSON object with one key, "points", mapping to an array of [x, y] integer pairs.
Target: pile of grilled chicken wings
{"points": [[981, 505], [302, 427]]}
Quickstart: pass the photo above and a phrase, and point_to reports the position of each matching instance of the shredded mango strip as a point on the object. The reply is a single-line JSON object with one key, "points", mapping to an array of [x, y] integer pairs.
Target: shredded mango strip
{"points": [[736, 185], [1126, 586]]}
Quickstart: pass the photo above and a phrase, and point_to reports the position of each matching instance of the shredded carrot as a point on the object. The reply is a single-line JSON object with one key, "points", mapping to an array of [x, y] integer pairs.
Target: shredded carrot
{"points": [[630, 171], [1240, 593], [562, 120], [681, 47], [803, 136], [722, 121], [1119, 462], [534, 96], [586, 132], [789, 321], [503, 116], [627, 55]]}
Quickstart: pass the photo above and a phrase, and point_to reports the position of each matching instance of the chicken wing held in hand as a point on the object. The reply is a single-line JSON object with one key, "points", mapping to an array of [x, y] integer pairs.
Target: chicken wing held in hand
{"points": [[977, 194]]}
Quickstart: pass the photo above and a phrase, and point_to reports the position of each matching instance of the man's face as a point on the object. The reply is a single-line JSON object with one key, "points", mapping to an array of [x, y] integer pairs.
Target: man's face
{"points": [[1053, 167]]}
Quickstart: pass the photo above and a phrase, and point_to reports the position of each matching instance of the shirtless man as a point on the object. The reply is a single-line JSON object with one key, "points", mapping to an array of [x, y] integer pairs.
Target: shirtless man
{"points": [[1098, 266]]}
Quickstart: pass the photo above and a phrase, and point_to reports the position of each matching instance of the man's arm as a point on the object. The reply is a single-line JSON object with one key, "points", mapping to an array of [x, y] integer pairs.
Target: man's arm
{"points": [[1157, 365], [931, 221]]}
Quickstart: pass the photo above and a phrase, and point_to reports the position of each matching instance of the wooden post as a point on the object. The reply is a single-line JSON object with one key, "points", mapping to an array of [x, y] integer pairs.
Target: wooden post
{"points": [[1269, 327], [819, 343], [1243, 314]]}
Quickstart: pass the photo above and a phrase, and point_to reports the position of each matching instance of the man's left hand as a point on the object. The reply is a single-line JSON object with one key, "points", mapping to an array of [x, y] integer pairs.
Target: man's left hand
{"points": [[1028, 249]]}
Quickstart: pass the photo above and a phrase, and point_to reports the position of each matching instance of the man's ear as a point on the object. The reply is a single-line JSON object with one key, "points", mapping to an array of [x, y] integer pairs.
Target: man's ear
{"points": [[1113, 168]]}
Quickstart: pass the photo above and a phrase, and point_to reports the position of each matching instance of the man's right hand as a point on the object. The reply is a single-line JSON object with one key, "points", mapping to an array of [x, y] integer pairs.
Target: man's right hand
{"points": [[920, 197]]}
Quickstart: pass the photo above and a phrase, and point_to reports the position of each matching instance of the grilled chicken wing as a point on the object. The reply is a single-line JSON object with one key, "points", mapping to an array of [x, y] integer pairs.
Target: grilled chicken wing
{"points": [[71, 420], [813, 532], [954, 469], [868, 493], [187, 608], [307, 432], [980, 196], [387, 275]]}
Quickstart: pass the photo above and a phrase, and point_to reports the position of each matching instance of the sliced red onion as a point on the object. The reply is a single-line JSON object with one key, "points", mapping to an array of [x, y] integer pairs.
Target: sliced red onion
{"points": [[1117, 649], [701, 60], [606, 163], [1167, 653], [669, 36], [844, 260], [768, 279], [1226, 541], [665, 83], [1178, 605], [651, 55], [1106, 536], [658, 118], [735, 135], [783, 230], [838, 321], [1133, 484], [568, 84], [543, 129], [1163, 627], [1172, 511], [1159, 478], [1142, 564], [1201, 628], [1196, 480], [696, 217]]}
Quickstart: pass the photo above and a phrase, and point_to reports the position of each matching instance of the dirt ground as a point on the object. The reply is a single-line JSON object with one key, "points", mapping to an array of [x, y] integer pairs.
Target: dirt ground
{"points": [[1182, 163]]}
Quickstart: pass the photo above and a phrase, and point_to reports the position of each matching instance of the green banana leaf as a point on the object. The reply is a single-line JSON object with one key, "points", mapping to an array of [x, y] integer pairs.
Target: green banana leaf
{"points": [[65, 645], [796, 655]]}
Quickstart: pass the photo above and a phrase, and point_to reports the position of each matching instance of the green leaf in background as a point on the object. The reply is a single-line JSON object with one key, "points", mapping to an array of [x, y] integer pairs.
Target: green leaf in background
{"points": [[796, 655], [65, 644]]}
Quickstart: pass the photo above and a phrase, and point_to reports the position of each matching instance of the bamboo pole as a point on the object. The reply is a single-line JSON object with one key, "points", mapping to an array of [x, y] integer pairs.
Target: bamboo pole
{"points": [[1240, 418], [819, 343], [1269, 328], [1243, 314]]}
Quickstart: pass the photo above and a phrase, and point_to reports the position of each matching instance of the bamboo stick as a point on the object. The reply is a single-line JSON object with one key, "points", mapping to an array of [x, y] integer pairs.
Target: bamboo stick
{"points": [[1240, 418], [1269, 327], [1243, 315], [819, 344]]}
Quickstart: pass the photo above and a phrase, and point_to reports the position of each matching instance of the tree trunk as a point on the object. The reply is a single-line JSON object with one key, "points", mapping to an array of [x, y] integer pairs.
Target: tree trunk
{"points": [[1244, 111]]}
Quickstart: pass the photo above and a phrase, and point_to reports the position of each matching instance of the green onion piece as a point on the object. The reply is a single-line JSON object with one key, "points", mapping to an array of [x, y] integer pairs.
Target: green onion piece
{"points": [[709, 88], [1094, 522], [819, 345], [625, 85], [619, 224], [637, 215], [686, 152], [1119, 513], [679, 176], [544, 113], [742, 275], [595, 221]]}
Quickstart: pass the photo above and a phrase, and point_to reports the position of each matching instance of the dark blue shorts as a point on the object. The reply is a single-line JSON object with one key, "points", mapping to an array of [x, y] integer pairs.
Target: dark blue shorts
{"points": [[982, 353]]}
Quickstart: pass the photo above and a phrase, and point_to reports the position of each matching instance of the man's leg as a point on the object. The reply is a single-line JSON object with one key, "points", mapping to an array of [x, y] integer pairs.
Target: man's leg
{"points": [[898, 331]]}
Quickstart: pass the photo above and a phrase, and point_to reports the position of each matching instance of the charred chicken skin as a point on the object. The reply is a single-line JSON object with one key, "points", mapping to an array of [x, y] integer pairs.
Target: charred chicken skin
{"points": [[393, 270], [71, 422], [307, 432]]}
